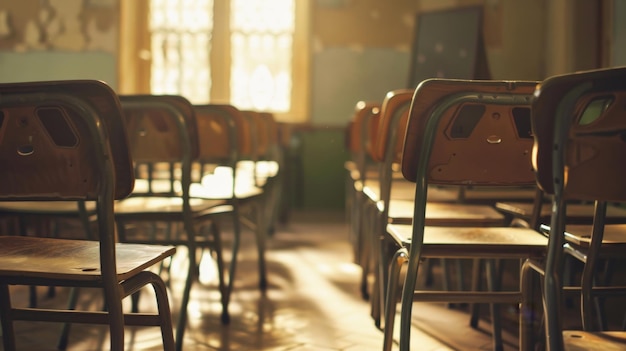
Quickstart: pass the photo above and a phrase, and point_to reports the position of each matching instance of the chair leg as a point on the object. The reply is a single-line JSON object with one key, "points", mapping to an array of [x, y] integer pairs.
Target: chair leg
{"points": [[234, 249], [261, 236], [32, 298], [376, 299], [182, 316], [493, 285], [446, 278], [428, 272], [8, 334], [113, 300], [407, 297], [460, 274], [379, 252], [134, 298], [65, 331], [219, 258], [526, 309], [165, 315], [364, 240], [476, 286], [391, 297]]}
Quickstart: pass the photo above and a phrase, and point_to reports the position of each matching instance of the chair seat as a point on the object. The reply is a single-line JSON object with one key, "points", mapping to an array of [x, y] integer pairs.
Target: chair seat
{"points": [[62, 259], [400, 189], [614, 236], [576, 213], [600, 341], [469, 242], [267, 169], [404, 190], [448, 214], [221, 191], [142, 205], [143, 186], [212, 187]]}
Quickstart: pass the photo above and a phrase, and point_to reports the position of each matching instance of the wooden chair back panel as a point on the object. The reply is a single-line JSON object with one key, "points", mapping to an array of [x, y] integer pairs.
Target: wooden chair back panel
{"points": [[362, 113], [595, 132], [394, 114], [262, 131], [216, 131], [243, 127], [42, 137], [271, 128], [373, 133], [152, 124], [476, 142], [285, 132]]}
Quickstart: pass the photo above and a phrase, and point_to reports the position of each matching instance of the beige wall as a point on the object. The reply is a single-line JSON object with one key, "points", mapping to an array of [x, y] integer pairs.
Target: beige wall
{"points": [[525, 39]]}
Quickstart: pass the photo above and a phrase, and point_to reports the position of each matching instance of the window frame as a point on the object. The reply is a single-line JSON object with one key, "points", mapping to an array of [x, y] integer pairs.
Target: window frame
{"points": [[134, 56]]}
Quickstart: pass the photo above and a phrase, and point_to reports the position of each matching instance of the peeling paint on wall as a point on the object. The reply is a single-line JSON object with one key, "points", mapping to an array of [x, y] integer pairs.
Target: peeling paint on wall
{"points": [[59, 25], [5, 28]]}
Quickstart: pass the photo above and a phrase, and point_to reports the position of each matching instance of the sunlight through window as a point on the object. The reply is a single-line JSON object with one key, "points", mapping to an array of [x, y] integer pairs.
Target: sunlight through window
{"points": [[261, 50], [181, 32], [242, 52]]}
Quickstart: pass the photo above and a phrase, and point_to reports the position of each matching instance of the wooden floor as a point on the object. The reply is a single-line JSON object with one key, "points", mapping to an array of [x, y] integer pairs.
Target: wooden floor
{"points": [[312, 303]]}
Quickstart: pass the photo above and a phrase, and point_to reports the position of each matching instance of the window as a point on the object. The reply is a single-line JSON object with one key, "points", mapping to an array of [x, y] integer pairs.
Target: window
{"points": [[180, 34], [252, 54]]}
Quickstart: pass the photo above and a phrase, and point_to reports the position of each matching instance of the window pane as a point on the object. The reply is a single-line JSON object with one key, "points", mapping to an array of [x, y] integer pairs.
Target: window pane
{"points": [[261, 53], [181, 32]]}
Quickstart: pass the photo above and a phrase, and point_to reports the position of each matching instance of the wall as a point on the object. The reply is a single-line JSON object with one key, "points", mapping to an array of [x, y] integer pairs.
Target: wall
{"points": [[362, 49], [618, 34], [58, 39]]}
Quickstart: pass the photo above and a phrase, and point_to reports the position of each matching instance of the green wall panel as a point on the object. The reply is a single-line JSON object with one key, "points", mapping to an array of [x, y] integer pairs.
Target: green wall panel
{"points": [[322, 182], [47, 65]]}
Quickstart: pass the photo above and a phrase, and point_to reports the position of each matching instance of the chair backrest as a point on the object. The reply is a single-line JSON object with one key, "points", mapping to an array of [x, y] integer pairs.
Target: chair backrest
{"points": [[464, 132], [389, 137], [227, 138], [65, 140], [218, 134], [364, 123], [160, 127], [362, 111], [270, 127], [243, 128], [583, 115], [262, 130], [163, 141], [255, 144], [392, 126], [285, 134], [62, 140], [579, 128]]}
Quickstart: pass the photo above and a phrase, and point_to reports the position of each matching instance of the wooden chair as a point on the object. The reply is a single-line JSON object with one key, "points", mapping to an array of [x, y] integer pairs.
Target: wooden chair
{"points": [[360, 168], [58, 219], [579, 213], [269, 168], [163, 138], [65, 140], [287, 147], [233, 180], [460, 133], [390, 198], [264, 163], [579, 154]]}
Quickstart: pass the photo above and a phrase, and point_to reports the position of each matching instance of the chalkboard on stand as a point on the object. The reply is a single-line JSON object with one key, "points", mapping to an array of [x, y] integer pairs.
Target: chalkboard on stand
{"points": [[448, 44]]}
